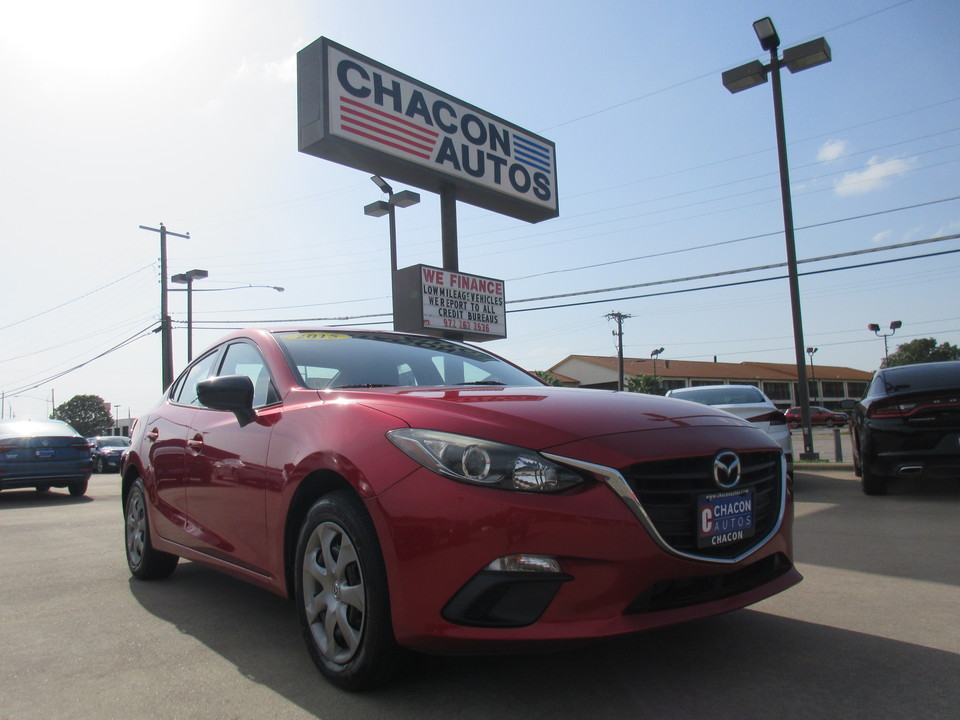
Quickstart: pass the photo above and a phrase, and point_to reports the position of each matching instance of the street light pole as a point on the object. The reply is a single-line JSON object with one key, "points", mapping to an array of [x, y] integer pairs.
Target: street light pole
{"points": [[188, 278], [655, 354], [800, 57], [894, 326]]}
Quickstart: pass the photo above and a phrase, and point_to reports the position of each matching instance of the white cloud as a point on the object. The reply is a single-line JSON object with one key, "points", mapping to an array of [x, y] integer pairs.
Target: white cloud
{"points": [[875, 176], [832, 150], [882, 236]]}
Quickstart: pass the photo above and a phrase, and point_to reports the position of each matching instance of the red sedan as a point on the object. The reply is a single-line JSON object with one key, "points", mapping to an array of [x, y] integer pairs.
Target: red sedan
{"points": [[818, 416], [409, 492]]}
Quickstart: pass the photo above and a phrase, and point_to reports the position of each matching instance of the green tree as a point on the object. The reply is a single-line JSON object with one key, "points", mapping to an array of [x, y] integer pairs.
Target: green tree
{"points": [[643, 384], [547, 377], [922, 350], [87, 414]]}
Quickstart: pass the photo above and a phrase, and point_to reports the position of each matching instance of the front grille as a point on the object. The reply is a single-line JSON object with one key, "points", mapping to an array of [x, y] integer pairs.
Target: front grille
{"points": [[668, 491], [687, 591]]}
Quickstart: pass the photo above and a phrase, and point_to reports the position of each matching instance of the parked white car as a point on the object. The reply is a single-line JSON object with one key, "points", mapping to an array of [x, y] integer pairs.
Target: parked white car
{"points": [[747, 402]]}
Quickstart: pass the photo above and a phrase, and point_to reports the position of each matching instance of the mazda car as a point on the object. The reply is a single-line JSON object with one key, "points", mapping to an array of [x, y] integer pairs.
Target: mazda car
{"points": [[907, 425], [412, 493], [43, 454]]}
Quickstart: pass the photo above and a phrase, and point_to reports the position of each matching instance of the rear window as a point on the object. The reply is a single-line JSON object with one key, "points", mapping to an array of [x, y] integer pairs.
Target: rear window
{"points": [[732, 395], [918, 378]]}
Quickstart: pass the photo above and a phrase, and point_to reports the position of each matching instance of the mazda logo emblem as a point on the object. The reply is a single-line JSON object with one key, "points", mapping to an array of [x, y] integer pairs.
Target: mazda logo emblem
{"points": [[726, 469]]}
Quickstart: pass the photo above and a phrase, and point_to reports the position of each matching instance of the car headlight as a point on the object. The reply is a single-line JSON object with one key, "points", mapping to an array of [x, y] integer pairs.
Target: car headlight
{"points": [[482, 462]]}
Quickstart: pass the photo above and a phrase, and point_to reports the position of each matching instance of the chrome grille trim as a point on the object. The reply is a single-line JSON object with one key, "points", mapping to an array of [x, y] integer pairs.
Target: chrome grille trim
{"points": [[613, 479]]}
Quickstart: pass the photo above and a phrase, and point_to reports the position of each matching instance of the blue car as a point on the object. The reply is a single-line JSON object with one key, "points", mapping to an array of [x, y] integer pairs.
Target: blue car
{"points": [[43, 454], [107, 451]]}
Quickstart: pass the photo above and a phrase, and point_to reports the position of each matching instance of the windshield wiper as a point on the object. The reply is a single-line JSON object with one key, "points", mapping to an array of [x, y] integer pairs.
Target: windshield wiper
{"points": [[363, 385], [482, 382]]}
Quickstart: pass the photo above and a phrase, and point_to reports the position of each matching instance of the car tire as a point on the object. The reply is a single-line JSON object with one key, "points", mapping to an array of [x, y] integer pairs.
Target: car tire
{"points": [[342, 596], [78, 489], [871, 483], [145, 562], [98, 465]]}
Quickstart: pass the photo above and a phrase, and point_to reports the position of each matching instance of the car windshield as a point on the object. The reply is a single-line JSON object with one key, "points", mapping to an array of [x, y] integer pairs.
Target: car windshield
{"points": [[722, 395], [114, 442], [328, 360]]}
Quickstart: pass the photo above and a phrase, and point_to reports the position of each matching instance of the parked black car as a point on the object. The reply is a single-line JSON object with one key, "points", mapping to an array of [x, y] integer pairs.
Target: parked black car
{"points": [[106, 451], [43, 454], [907, 425]]}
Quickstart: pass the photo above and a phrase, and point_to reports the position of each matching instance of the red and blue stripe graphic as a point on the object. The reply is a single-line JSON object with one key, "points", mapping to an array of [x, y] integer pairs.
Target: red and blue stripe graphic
{"points": [[387, 129], [532, 154]]}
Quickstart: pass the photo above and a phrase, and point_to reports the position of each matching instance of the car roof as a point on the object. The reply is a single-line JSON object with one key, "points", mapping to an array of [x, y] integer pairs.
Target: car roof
{"points": [[35, 428]]}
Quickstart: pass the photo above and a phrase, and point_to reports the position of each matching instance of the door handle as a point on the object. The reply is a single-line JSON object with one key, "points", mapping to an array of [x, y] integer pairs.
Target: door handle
{"points": [[195, 445], [152, 435]]}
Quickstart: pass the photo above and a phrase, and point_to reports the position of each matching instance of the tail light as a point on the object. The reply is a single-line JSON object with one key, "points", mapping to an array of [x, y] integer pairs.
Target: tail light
{"points": [[774, 418], [905, 410]]}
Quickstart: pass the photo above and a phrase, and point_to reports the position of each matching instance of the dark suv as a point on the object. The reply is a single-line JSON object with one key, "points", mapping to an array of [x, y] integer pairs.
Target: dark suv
{"points": [[907, 425]]}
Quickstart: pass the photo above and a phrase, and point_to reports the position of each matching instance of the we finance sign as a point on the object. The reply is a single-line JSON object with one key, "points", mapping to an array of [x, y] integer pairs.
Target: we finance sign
{"points": [[358, 112]]}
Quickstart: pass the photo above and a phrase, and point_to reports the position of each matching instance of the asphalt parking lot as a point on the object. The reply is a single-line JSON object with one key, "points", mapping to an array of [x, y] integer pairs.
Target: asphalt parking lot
{"points": [[871, 632]]}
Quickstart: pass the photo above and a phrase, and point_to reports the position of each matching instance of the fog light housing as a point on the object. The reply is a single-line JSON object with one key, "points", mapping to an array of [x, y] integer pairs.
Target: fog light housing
{"points": [[525, 563], [512, 591]]}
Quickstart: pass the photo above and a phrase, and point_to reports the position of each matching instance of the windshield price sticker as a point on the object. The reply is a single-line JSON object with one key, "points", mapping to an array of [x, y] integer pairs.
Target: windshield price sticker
{"points": [[724, 518]]}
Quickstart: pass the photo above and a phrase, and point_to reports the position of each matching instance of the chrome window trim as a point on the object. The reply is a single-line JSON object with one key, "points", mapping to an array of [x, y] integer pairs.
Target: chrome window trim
{"points": [[616, 482]]}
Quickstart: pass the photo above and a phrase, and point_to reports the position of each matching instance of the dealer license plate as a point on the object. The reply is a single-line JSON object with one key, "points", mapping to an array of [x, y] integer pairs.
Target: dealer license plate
{"points": [[45, 453], [724, 518]]}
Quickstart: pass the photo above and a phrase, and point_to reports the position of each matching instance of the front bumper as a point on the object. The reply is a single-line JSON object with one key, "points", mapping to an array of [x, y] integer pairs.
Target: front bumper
{"points": [[616, 579]]}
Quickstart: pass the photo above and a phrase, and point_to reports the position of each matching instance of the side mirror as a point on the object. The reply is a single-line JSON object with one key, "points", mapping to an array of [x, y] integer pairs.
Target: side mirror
{"points": [[233, 393]]}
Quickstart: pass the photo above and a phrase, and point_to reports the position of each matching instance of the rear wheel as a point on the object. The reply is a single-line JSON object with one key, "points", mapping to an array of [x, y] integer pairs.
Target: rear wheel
{"points": [[98, 465], [78, 488], [144, 561], [341, 593], [871, 483]]}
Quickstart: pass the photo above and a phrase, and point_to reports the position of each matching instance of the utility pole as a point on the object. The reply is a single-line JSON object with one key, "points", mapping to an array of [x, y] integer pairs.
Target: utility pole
{"points": [[166, 344], [618, 333]]}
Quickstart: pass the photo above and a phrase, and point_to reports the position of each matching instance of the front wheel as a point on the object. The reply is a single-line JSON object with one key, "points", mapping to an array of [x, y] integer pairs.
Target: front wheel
{"points": [[144, 561], [342, 596]]}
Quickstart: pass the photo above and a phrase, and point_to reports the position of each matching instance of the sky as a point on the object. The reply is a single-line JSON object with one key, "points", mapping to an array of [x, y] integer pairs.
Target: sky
{"points": [[120, 114]]}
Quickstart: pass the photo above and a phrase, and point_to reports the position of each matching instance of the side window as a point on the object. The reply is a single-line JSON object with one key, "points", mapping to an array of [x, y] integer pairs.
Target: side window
{"points": [[200, 370], [244, 359]]}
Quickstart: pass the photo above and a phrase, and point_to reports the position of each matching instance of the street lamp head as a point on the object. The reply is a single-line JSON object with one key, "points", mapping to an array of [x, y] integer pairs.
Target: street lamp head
{"points": [[812, 350], [874, 327], [806, 55], [189, 276], [766, 33], [745, 77], [377, 209], [896, 325], [656, 353], [405, 198], [382, 184]]}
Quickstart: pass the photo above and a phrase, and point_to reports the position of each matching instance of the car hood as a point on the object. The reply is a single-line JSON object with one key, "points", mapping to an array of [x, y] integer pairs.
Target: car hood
{"points": [[536, 417]]}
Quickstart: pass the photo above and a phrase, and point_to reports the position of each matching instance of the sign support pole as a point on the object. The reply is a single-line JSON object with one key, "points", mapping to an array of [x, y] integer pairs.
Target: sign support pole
{"points": [[448, 237]]}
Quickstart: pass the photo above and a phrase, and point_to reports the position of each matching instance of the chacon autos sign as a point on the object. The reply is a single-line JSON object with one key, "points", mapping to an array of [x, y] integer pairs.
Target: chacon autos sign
{"points": [[360, 113]]}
